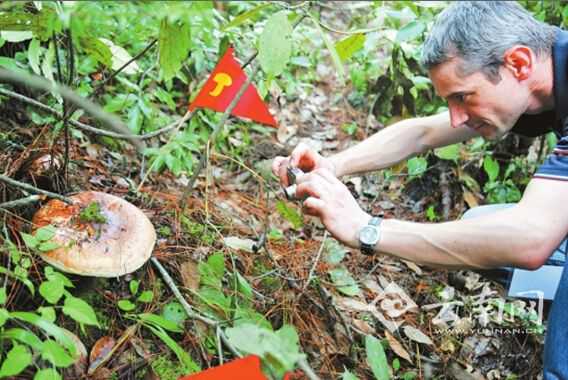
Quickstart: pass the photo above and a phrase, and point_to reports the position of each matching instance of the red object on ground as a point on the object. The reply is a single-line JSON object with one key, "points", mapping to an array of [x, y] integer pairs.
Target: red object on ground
{"points": [[247, 368], [222, 86]]}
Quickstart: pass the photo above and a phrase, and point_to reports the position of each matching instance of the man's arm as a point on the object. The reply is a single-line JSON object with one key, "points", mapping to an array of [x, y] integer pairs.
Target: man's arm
{"points": [[523, 236], [399, 142]]}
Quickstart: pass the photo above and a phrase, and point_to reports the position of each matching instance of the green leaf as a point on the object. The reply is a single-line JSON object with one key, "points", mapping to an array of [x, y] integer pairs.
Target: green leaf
{"points": [[175, 313], [16, 36], [174, 43], [334, 56], [290, 214], [146, 296], [211, 273], [243, 17], [334, 252], [160, 321], [183, 357], [54, 353], [47, 313], [348, 376], [51, 291], [349, 46], [51, 329], [491, 167], [29, 240], [80, 311], [134, 285], [344, 281], [279, 349], [275, 45], [243, 286], [376, 358], [246, 315], [53, 275], [3, 295], [19, 274], [410, 31], [45, 233], [17, 359], [416, 166], [48, 246], [450, 152], [47, 374], [97, 49], [34, 52], [126, 305], [4, 316], [47, 63], [22, 336]]}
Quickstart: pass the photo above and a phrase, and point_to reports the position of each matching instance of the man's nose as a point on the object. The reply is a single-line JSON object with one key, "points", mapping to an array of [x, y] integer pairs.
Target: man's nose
{"points": [[458, 116]]}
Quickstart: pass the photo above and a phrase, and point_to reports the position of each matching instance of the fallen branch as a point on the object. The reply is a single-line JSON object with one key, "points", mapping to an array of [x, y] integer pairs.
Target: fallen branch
{"points": [[316, 261], [34, 189], [20, 202], [84, 126], [93, 109]]}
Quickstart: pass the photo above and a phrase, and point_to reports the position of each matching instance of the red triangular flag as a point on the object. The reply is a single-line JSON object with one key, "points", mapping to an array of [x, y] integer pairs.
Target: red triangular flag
{"points": [[247, 368], [221, 88]]}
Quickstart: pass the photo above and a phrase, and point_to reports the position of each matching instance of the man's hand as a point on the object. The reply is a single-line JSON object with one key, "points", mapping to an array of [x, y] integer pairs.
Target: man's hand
{"points": [[304, 158], [331, 201]]}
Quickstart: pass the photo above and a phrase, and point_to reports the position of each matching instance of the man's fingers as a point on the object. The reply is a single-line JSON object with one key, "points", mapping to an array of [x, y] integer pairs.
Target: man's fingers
{"points": [[276, 163], [314, 206], [303, 157], [310, 189]]}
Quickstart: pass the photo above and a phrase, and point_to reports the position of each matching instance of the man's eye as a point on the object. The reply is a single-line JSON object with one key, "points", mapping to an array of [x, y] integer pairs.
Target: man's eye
{"points": [[460, 98]]}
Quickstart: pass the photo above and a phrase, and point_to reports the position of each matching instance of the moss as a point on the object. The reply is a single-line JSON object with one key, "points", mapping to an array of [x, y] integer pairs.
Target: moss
{"points": [[166, 369], [92, 214]]}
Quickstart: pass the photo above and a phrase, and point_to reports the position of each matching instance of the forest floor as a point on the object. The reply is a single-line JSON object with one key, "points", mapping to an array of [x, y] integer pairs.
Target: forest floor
{"points": [[434, 323]]}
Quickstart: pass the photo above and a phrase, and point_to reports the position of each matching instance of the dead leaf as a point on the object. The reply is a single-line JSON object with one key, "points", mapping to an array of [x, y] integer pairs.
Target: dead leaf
{"points": [[100, 353], [351, 304], [470, 199], [239, 244], [397, 347], [417, 335], [364, 326], [189, 275], [412, 266], [285, 132]]}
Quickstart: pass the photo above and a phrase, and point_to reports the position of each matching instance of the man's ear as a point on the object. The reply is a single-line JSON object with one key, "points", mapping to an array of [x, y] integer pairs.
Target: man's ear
{"points": [[519, 60]]}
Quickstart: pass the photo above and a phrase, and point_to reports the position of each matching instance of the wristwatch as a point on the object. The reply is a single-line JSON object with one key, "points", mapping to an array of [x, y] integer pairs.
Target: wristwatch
{"points": [[370, 235]]}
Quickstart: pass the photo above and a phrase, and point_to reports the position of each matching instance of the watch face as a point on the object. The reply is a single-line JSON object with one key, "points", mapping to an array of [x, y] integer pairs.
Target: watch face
{"points": [[369, 235]]}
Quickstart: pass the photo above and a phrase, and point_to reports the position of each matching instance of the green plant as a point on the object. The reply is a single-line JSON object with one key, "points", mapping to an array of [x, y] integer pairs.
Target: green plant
{"points": [[499, 191]]}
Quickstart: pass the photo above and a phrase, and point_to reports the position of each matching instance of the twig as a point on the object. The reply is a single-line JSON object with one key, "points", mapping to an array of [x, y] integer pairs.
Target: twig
{"points": [[34, 81], [186, 306], [84, 126], [34, 189], [189, 310], [316, 261], [347, 32], [308, 371], [20, 202], [117, 71], [446, 195]]}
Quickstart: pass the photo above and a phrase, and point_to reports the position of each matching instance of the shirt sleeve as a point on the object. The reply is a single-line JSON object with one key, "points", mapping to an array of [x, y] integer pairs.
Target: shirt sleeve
{"points": [[556, 164]]}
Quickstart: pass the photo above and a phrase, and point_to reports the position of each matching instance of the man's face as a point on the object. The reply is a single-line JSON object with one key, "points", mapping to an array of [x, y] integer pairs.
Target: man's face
{"points": [[477, 103]]}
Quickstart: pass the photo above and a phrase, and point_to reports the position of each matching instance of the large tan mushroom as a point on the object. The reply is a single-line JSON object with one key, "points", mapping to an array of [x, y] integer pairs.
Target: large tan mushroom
{"points": [[117, 241]]}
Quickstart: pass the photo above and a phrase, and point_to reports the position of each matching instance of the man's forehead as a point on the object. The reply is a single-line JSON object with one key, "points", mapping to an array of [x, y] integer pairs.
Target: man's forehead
{"points": [[446, 80]]}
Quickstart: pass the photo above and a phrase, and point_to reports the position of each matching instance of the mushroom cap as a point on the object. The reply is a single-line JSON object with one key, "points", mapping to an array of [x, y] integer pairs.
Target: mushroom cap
{"points": [[120, 245]]}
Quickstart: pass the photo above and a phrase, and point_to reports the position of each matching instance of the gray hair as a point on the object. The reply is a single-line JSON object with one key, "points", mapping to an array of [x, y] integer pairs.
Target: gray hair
{"points": [[480, 32]]}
